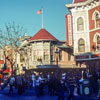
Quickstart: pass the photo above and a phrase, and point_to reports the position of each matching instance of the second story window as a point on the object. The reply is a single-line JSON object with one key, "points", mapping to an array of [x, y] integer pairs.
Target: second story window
{"points": [[46, 54], [60, 55], [22, 58], [97, 20], [34, 55], [80, 24], [81, 45]]}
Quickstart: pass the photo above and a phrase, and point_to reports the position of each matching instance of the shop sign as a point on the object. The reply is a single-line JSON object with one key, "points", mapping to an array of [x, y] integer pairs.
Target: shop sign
{"points": [[86, 57], [82, 57], [95, 56], [69, 30]]}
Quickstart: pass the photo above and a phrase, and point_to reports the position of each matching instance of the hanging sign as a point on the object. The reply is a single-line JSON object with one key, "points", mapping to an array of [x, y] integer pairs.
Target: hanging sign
{"points": [[69, 30]]}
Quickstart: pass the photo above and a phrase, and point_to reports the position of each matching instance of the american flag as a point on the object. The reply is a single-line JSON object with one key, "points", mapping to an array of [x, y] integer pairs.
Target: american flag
{"points": [[39, 12]]}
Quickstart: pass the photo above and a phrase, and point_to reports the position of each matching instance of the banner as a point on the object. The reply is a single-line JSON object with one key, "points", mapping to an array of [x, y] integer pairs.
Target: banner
{"points": [[69, 30]]}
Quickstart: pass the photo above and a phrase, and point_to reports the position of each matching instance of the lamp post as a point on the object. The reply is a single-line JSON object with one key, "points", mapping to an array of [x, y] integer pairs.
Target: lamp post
{"points": [[5, 64], [28, 56], [56, 54], [22, 59]]}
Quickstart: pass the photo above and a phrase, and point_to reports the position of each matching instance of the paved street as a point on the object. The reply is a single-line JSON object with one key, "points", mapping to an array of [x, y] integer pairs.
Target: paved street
{"points": [[30, 95], [23, 97]]}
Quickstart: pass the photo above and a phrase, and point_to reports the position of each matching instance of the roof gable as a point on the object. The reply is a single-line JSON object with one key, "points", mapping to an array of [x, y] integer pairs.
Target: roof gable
{"points": [[43, 34]]}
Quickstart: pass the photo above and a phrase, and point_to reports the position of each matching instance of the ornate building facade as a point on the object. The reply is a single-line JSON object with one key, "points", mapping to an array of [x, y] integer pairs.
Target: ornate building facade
{"points": [[86, 31], [45, 50]]}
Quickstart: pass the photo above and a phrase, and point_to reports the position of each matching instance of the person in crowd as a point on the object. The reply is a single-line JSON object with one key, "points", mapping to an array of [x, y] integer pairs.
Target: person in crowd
{"points": [[30, 81], [49, 83], [48, 76], [61, 90], [52, 85], [23, 83], [86, 74], [11, 83], [33, 79], [19, 84], [63, 75], [37, 86], [41, 84], [71, 84], [94, 79]]}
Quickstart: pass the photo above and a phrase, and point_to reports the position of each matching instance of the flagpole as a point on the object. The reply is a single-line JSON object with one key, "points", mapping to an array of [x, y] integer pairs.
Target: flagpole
{"points": [[42, 18]]}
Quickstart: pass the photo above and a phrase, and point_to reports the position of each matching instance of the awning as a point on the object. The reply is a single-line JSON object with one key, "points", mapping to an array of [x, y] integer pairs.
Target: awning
{"points": [[47, 66], [6, 71], [65, 46]]}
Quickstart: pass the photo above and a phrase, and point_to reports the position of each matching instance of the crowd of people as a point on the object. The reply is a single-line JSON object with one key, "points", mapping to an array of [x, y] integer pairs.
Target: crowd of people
{"points": [[58, 83]]}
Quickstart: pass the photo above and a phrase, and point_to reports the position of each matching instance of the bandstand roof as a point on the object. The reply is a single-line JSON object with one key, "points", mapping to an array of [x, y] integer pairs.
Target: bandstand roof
{"points": [[43, 34]]}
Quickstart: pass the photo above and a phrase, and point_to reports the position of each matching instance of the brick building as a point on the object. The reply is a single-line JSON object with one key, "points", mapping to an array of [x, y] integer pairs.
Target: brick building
{"points": [[86, 31]]}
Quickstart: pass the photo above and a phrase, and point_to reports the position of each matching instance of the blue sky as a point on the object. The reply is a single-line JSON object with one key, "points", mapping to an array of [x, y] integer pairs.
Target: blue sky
{"points": [[23, 13]]}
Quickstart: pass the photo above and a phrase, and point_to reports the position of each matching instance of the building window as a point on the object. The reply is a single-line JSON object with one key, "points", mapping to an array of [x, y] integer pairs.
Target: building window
{"points": [[97, 20], [60, 55], [46, 57], [98, 42], [22, 58], [81, 45], [34, 55], [46, 54], [80, 24]]}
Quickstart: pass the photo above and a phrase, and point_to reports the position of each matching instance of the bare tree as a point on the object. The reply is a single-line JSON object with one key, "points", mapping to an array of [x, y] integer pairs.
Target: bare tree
{"points": [[11, 37]]}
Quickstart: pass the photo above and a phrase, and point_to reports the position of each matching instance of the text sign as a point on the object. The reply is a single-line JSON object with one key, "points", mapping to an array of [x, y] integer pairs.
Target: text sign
{"points": [[69, 30]]}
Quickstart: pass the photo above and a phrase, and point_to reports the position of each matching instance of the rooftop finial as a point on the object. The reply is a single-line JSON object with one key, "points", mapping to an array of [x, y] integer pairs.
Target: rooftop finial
{"points": [[25, 34]]}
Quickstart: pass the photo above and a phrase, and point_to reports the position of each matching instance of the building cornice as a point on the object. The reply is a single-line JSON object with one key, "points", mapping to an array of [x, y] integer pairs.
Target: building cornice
{"points": [[69, 6], [41, 40]]}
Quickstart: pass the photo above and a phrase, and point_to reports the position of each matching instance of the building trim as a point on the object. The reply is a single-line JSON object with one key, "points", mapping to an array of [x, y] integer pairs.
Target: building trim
{"points": [[96, 29], [88, 59], [79, 4]]}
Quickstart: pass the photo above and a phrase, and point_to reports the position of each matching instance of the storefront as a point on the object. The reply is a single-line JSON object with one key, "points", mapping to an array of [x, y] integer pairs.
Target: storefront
{"points": [[86, 32], [91, 61]]}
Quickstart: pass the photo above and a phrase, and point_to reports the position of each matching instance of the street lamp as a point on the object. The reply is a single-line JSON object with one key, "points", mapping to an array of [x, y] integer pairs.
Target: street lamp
{"points": [[5, 64], [57, 55]]}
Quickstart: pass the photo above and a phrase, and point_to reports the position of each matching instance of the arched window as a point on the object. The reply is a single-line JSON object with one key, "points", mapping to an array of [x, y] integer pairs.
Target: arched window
{"points": [[81, 45], [96, 18], [98, 42], [80, 24], [97, 21]]}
